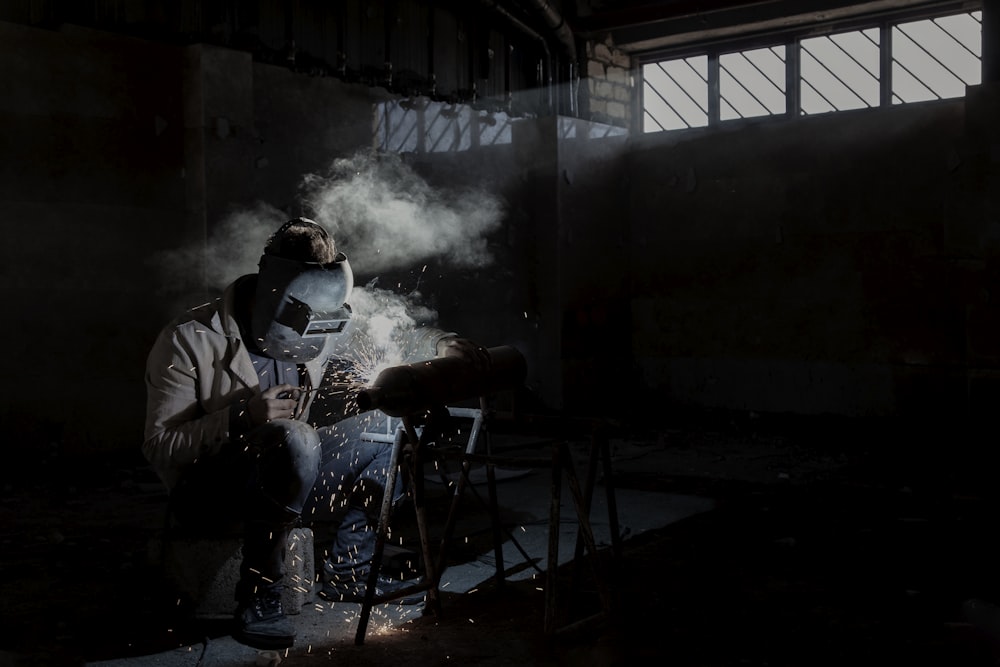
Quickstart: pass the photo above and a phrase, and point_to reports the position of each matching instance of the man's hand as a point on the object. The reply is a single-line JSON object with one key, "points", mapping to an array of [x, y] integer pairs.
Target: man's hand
{"points": [[464, 348], [278, 402]]}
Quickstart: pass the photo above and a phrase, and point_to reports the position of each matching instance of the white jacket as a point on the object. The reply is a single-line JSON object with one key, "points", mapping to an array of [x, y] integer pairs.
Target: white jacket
{"points": [[199, 366]]}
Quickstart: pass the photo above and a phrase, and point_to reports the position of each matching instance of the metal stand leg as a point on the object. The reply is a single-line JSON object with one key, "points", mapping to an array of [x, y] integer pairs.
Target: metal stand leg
{"points": [[560, 463], [407, 433], [561, 459], [491, 479], [609, 488], [583, 515], [417, 476], [551, 584], [380, 537]]}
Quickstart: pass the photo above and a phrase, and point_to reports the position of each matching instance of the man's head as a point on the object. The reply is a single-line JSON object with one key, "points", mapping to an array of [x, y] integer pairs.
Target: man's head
{"points": [[302, 289], [303, 240]]}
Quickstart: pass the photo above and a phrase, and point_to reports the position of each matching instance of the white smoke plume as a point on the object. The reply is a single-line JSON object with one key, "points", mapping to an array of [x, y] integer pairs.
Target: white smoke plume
{"points": [[381, 214], [383, 317], [231, 249], [385, 216]]}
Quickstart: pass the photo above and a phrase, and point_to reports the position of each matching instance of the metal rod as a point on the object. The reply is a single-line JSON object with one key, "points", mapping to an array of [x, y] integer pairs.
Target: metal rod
{"points": [[585, 528], [417, 476], [380, 537], [588, 496], [609, 489], [551, 582], [491, 480]]}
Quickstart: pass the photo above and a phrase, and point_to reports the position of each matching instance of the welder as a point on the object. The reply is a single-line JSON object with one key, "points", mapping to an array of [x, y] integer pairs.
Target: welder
{"points": [[228, 429]]}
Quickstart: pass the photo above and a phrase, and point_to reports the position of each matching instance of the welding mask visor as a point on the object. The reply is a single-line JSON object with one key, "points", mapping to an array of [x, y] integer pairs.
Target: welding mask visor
{"points": [[298, 305]]}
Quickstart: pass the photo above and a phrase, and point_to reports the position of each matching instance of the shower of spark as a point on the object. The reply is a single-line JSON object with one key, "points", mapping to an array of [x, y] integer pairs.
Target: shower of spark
{"points": [[382, 320], [380, 623], [372, 358]]}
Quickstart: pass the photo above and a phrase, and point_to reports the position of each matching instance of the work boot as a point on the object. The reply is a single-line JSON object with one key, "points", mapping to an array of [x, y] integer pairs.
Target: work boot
{"points": [[261, 622]]}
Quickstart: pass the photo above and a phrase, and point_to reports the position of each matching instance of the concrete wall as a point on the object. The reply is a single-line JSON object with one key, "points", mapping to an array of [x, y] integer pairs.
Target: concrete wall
{"points": [[843, 264], [591, 244], [119, 152], [557, 286], [92, 178]]}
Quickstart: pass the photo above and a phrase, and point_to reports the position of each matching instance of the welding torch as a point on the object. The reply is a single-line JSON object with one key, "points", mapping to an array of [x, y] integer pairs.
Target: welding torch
{"points": [[299, 395]]}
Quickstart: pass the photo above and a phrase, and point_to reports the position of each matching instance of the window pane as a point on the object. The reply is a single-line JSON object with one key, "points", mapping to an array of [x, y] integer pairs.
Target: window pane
{"points": [[930, 59], [839, 72], [936, 58], [675, 94], [752, 83]]}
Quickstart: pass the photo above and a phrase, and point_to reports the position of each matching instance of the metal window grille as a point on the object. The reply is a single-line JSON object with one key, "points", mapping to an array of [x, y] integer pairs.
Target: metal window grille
{"points": [[936, 58], [891, 61], [752, 83], [675, 94], [839, 72]]}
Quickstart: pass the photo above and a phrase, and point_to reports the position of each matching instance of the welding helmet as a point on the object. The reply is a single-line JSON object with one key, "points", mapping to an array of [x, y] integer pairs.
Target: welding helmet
{"points": [[299, 304]]}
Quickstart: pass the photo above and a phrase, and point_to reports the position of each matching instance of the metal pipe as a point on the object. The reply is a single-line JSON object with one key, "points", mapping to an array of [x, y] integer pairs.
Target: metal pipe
{"points": [[410, 389], [527, 30], [557, 25]]}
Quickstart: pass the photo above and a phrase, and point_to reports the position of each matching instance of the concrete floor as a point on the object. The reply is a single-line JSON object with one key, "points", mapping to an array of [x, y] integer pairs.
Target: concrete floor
{"points": [[741, 548]]}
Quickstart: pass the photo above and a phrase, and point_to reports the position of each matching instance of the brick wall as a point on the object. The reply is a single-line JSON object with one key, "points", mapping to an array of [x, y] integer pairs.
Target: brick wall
{"points": [[609, 84]]}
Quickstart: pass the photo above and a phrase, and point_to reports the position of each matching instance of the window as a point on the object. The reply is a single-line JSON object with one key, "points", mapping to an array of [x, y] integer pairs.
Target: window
{"points": [[891, 61], [675, 94], [752, 83], [936, 58], [839, 72]]}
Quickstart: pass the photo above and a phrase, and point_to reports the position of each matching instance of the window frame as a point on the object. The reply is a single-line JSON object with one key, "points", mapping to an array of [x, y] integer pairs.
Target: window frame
{"points": [[790, 38]]}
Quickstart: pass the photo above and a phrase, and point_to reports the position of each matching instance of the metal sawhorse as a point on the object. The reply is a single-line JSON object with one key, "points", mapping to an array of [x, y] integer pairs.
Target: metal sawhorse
{"points": [[412, 440]]}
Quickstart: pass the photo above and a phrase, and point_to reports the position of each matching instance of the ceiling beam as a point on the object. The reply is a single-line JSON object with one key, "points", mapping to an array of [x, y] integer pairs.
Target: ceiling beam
{"points": [[730, 19]]}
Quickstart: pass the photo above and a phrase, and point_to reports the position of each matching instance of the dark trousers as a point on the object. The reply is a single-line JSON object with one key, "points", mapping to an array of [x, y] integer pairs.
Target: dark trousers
{"points": [[287, 471], [349, 489]]}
